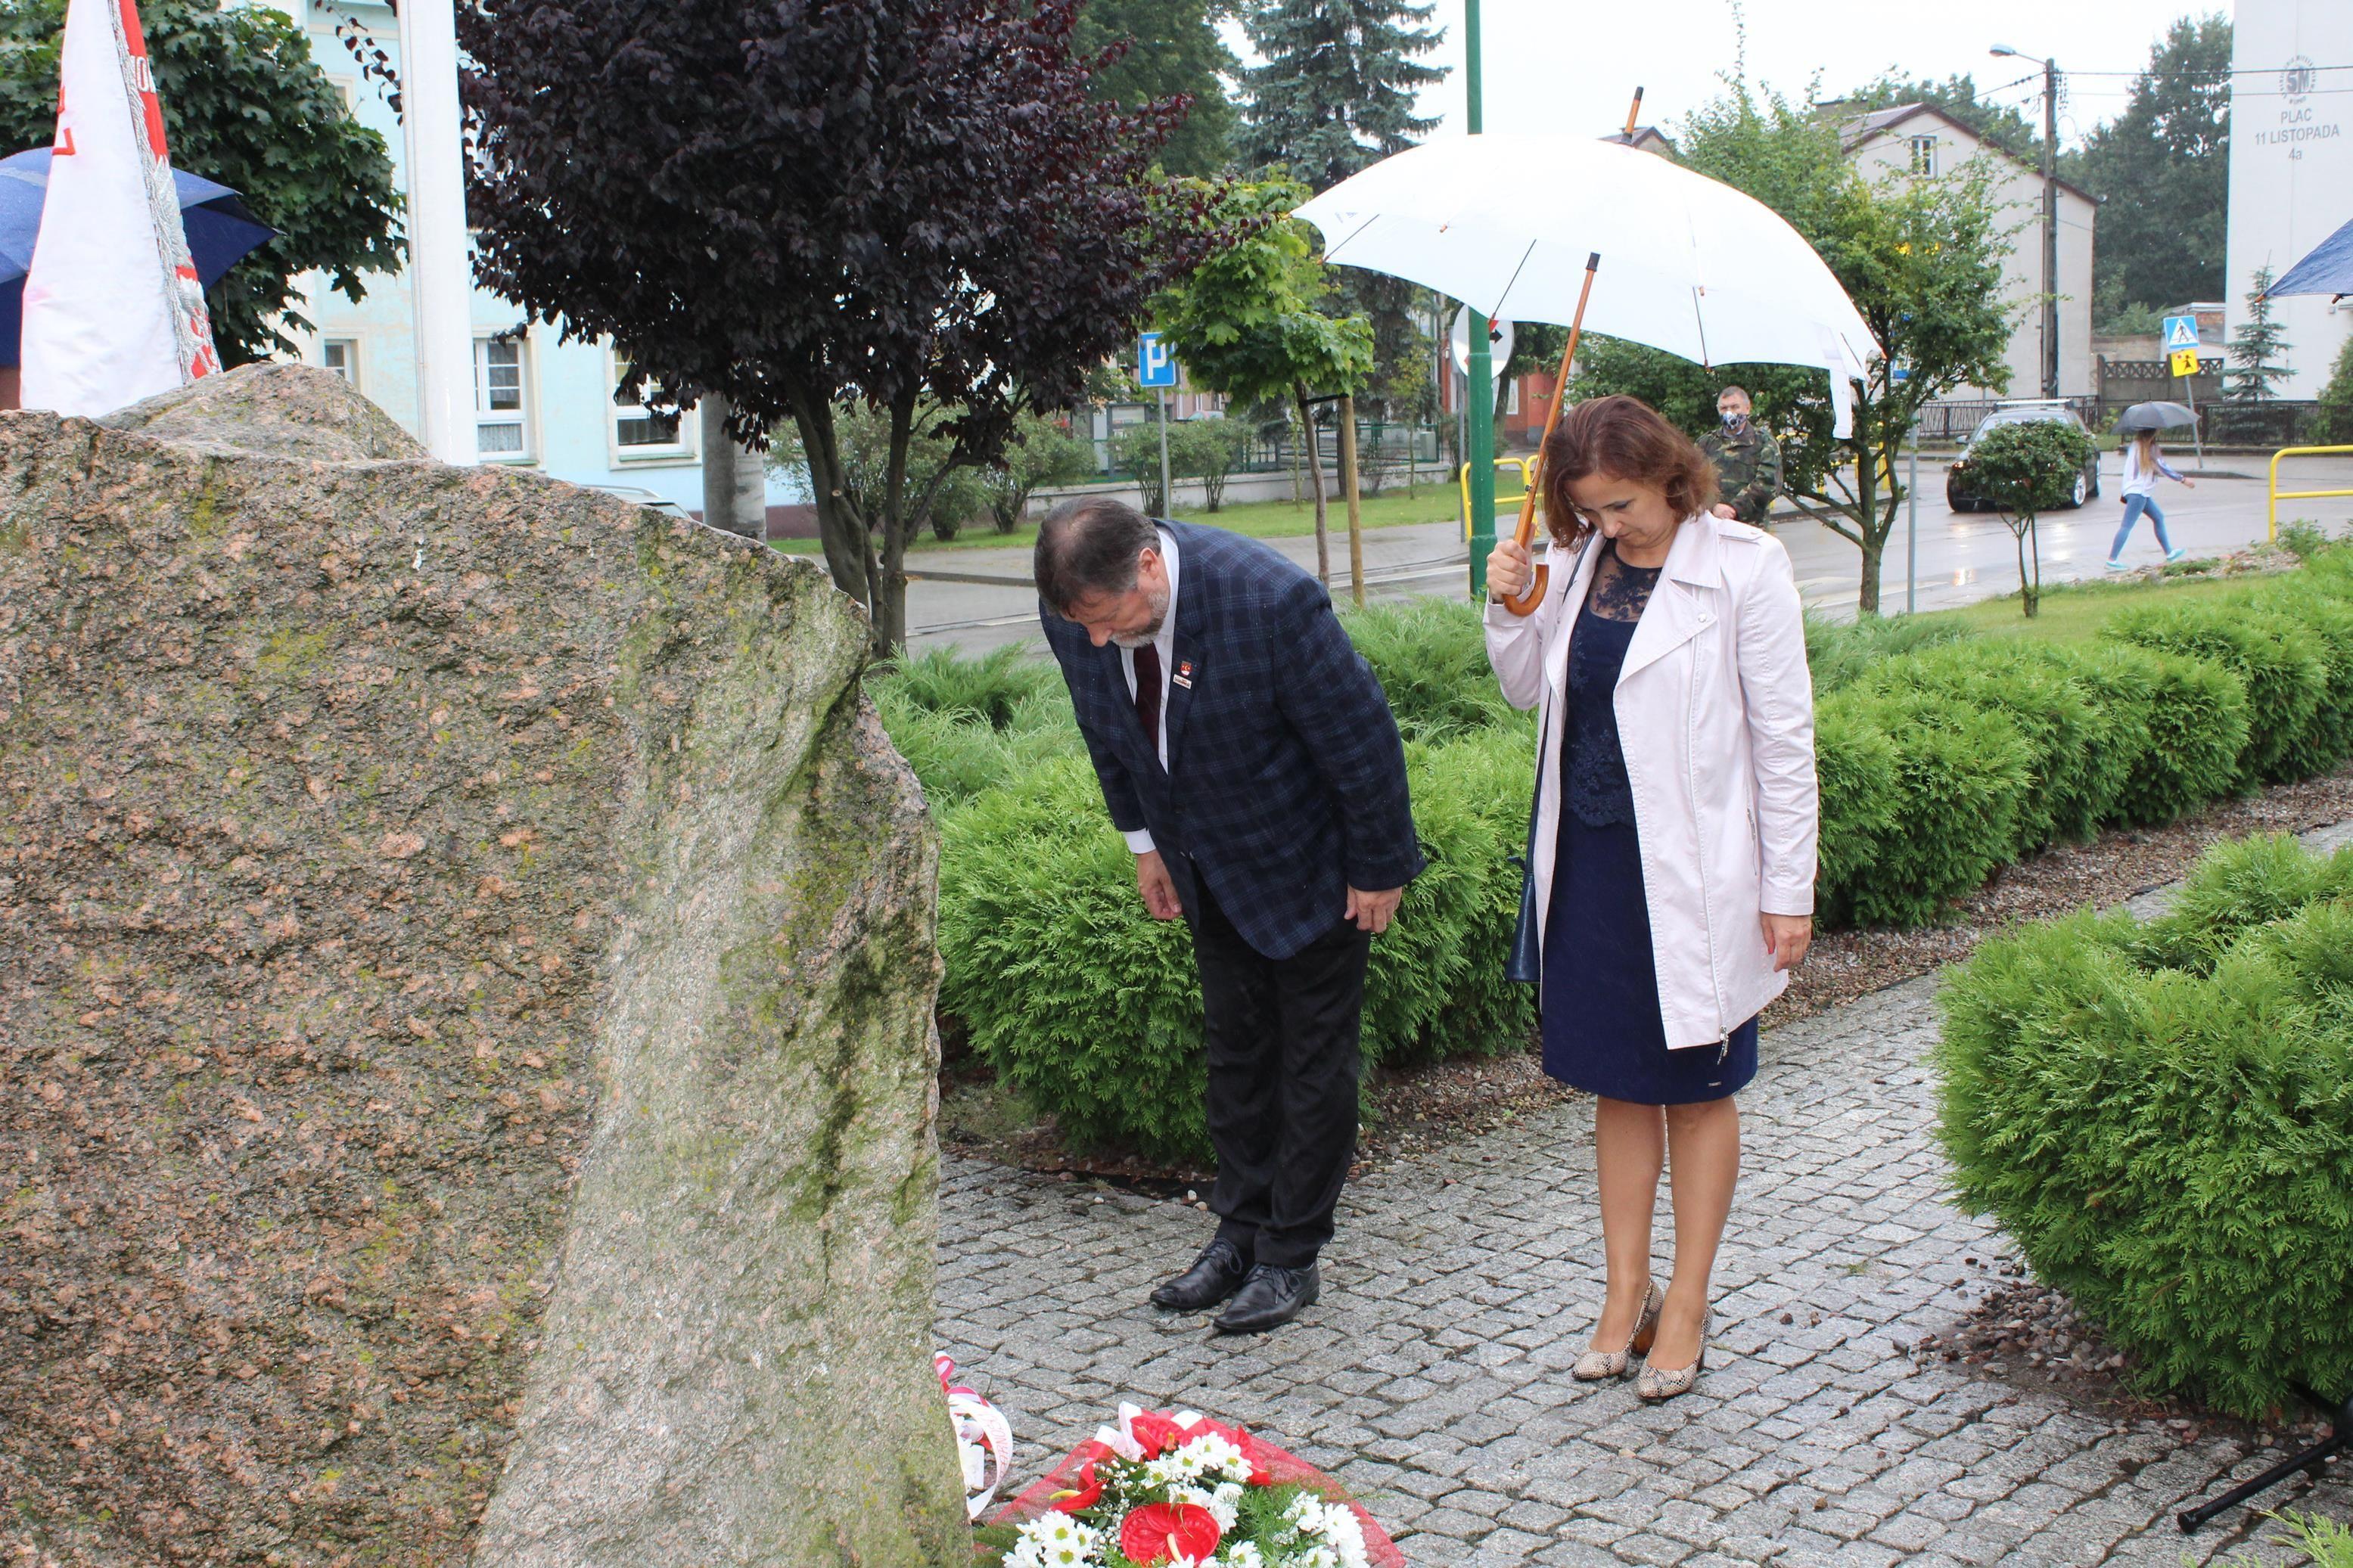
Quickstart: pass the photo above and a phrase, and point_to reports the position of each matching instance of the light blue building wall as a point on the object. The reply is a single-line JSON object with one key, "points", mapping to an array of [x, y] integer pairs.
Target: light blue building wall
{"points": [[540, 402]]}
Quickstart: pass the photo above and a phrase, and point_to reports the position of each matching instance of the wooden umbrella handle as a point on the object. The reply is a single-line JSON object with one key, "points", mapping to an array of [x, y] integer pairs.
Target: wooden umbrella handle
{"points": [[1526, 605]]}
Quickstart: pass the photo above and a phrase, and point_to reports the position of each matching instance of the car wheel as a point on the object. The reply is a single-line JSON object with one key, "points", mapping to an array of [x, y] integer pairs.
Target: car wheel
{"points": [[1959, 502], [2082, 493]]}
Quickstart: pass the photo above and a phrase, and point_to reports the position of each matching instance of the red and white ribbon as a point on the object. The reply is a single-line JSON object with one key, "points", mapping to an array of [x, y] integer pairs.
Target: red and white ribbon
{"points": [[984, 1439]]}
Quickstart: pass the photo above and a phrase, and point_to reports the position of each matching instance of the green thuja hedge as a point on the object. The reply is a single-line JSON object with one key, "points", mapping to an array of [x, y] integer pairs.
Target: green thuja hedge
{"points": [[2284, 666], [2181, 726], [1092, 1009], [2162, 1115], [1430, 657]]}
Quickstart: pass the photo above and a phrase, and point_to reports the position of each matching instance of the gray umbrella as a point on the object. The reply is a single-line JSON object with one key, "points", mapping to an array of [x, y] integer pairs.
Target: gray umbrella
{"points": [[2154, 417]]}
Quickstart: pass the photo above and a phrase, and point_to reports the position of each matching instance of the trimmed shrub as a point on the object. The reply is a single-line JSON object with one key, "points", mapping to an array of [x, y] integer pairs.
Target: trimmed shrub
{"points": [[2077, 773], [2173, 1147], [1431, 656], [988, 689], [2286, 674], [1856, 767], [957, 756], [1961, 775], [1092, 1010], [2319, 604], [2236, 885], [2180, 724], [1841, 652]]}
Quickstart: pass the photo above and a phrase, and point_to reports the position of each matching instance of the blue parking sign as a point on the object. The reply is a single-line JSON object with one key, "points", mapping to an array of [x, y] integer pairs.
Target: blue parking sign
{"points": [[1155, 364]]}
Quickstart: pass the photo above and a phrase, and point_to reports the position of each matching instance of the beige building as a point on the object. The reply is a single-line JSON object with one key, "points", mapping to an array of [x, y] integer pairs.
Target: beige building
{"points": [[1918, 137]]}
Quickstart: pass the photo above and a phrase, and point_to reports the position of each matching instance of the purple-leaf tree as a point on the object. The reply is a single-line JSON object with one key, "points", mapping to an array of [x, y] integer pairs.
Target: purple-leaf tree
{"points": [[797, 204]]}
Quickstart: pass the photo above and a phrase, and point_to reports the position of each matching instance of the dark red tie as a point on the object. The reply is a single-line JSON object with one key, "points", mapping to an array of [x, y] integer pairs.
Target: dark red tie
{"points": [[1147, 693]]}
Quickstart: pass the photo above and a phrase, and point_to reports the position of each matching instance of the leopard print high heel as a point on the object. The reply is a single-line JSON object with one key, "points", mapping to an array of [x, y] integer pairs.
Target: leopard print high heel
{"points": [[1597, 1366]]}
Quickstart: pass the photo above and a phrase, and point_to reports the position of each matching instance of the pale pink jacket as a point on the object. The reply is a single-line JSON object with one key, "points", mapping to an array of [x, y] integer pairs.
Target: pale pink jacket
{"points": [[1716, 710]]}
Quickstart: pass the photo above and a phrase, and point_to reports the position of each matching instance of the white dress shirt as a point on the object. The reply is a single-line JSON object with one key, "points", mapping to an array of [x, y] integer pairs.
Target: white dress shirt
{"points": [[1165, 640]]}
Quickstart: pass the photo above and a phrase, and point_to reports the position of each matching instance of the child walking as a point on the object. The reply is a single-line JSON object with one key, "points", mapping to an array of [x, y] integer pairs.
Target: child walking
{"points": [[2144, 465]]}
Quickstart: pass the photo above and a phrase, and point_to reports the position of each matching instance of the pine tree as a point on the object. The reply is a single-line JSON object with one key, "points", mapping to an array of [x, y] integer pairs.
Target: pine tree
{"points": [[1336, 90], [1335, 94], [2257, 352]]}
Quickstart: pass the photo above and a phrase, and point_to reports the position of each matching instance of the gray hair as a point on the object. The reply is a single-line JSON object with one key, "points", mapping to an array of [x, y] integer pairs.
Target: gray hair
{"points": [[1088, 547]]}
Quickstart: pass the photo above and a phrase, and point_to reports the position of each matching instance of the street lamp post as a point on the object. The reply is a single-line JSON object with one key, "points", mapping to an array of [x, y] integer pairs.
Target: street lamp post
{"points": [[1479, 390], [2050, 217]]}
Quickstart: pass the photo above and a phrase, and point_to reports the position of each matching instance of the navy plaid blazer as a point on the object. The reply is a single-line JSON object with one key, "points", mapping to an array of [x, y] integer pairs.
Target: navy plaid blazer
{"points": [[1285, 785]]}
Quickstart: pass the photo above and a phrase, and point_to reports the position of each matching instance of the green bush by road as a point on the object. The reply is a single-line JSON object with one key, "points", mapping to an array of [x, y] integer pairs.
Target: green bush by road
{"points": [[2161, 1113]]}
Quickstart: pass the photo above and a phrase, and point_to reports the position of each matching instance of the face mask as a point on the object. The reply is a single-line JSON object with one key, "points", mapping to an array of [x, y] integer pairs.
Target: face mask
{"points": [[1733, 419]]}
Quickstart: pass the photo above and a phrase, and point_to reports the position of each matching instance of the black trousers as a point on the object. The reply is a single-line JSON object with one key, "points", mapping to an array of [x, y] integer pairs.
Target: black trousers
{"points": [[1283, 1069]]}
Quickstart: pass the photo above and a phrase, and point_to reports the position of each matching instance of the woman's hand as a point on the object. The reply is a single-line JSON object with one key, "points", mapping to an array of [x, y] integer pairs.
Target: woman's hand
{"points": [[1787, 938], [1510, 569]]}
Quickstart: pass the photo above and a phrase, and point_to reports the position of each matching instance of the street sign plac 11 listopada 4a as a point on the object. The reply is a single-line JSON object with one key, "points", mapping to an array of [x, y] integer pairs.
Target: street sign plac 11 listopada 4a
{"points": [[1156, 366]]}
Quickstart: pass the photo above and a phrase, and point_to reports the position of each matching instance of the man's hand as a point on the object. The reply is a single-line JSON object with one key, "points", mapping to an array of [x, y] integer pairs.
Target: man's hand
{"points": [[1723, 508], [1158, 887], [1787, 938], [1373, 911]]}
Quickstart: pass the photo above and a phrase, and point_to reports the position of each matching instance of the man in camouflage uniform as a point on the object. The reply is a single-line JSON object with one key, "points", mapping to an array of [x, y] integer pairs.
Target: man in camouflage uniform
{"points": [[1748, 462]]}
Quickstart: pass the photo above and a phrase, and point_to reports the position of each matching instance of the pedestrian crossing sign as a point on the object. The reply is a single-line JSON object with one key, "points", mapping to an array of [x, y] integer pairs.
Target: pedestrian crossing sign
{"points": [[2180, 332], [2185, 361]]}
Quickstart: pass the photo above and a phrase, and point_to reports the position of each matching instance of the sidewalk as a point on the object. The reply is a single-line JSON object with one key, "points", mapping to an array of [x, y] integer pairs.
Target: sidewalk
{"points": [[1433, 1377]]}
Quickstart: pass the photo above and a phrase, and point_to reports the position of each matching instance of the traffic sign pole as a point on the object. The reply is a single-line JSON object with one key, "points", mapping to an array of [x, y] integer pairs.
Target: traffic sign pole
{"points": [[1167, 496]]}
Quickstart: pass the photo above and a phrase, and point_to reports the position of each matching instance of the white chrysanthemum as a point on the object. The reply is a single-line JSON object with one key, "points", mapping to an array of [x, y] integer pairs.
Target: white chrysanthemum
{"points": [[1059, 1541], [1220, 1508], [1026, 1554], [1245, 1554], [1213, 1455], [1318, 1556]]}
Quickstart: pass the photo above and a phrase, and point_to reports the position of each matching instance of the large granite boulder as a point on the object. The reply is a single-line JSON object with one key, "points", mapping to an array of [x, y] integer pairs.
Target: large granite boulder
{"points": [[466, 968]]}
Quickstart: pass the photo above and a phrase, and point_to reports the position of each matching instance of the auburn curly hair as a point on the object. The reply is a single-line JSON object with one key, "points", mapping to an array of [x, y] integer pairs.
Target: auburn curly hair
{"points": [[1624, 438]]}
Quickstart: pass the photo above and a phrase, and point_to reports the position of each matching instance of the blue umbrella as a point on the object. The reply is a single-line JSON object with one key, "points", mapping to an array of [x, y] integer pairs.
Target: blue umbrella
{"points": [[2327, 270], [220, 232]]}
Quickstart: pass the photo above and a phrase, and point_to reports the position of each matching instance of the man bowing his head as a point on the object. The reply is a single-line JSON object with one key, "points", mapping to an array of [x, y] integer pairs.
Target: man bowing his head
{"points": [[1249, 757]]}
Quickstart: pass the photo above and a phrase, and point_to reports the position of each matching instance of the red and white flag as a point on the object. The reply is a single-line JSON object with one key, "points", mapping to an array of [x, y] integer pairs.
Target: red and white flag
{"points": [[113, 309]]}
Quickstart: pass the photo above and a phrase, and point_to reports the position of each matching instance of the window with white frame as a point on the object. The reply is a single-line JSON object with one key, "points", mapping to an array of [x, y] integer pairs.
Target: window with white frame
{"points": [[342, 355], [499, 411], [1924, 154], [642, 432]]}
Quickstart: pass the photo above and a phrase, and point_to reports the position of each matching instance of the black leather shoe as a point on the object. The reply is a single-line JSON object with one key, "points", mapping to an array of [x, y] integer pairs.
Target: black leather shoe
{"points": [[1269, 1298], [1216, 1274]]}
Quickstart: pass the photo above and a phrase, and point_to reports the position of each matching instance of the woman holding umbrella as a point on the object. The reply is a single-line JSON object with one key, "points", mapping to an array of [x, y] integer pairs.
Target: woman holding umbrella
{"points": [[2144, 466], [1672, 857]]}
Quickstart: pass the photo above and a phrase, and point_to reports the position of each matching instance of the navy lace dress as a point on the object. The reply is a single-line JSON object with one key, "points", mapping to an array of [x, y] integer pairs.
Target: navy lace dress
{"points": [[1602, 1032]]}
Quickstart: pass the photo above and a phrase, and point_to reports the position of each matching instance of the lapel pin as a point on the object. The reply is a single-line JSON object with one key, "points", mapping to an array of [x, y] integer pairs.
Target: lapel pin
{"points": [[1183, 676]]}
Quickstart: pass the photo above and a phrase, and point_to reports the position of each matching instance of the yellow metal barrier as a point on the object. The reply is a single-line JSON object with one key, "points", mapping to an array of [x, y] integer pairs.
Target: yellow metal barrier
{"points": [[1525, 466], [2279, 494]]}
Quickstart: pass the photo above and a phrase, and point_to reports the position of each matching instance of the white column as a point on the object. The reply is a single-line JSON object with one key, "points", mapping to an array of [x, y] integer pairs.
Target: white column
{"points": [[439, 266]]}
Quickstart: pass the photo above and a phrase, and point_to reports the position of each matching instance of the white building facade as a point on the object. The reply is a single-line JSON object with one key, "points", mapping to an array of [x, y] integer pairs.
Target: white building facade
{"points": [[1919, 139], [539, 402], [2291, 168]]}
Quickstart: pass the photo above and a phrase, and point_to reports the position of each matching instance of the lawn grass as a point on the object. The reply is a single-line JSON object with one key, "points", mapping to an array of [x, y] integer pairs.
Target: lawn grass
{"points": [[1428, 502], [2073, 611]]}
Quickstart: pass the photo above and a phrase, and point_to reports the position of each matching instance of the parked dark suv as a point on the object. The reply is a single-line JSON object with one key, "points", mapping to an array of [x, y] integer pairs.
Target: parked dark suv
{"points": [[1960, 498]]}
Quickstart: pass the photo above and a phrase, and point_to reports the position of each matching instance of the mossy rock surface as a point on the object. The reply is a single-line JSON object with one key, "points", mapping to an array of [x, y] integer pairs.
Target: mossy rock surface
{"points": [[466, 965]]}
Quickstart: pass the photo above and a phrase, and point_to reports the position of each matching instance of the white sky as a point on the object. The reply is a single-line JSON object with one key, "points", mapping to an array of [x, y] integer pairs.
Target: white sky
{"points": [[1573, 65]]}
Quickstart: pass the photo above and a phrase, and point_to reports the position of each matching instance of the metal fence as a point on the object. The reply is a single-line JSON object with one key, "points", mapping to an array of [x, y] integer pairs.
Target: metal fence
{"points": [[2276, 422]]}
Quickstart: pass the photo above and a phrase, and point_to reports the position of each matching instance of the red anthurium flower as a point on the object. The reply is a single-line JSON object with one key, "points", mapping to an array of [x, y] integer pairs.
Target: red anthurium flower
{"points": [[1163, 1531], [1154, 1433], [1090, 1492]]}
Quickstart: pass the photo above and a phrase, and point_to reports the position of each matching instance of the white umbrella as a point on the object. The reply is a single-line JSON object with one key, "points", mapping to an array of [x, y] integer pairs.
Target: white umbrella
{"points": [[1527, 227]]}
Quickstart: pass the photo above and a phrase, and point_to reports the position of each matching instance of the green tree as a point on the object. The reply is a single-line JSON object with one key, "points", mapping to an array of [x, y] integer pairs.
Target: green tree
{"points": [[1920, 256], [1171, 48], [2334, 426], [2002, 124], [945, 491], [2162, 170], [1335, 94], [1207, 451], [244, 104], [1041, 452], [1245, 321], [2025, 469], [1336, 90], [2259, 349]]}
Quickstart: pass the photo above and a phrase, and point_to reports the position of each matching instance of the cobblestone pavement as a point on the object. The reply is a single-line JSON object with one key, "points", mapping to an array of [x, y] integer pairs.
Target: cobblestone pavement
{"points": [[1433, 1377]]}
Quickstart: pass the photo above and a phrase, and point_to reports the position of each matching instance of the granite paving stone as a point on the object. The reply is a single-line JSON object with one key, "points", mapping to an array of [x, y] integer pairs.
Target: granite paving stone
{"points": [[1433, 1374]]}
